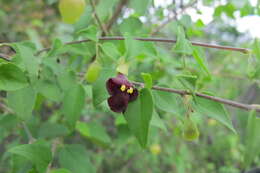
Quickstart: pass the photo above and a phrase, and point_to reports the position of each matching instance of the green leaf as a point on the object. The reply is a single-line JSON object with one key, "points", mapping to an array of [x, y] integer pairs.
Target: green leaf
{"points": [[158, 122], [39, 153], [186, 21], [138, 116], [73, 103], [252, 139], [99, 87], [148, 81], [62, 170], [182, 45], [168, 102], [110, 50], [198, 56], [12, 77], [90, 32], [214, 110], [95, 132], [76, 159], [56, 46], [52, 130], [49, 89], [247, 9], [22, 102], [132, 47], [105, 9], [67, 80], [8, 122], [140, 7], [128, 24], [26, 54], [188, 81], [256, 48], [228, 9]]}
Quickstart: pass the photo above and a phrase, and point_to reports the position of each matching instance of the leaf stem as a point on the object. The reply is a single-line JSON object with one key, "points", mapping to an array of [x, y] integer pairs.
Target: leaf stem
{"points": [[29, 134], [102, 27]]}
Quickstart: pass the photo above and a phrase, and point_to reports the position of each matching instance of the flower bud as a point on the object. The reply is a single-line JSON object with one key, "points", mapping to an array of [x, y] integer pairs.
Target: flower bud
{"points": [[190, 130]]}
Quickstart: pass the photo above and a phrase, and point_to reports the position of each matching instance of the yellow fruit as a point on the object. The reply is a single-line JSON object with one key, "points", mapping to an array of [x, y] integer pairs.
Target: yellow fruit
{"points": [[71, 10], [93, 72], [190, 130], [155, 149]]}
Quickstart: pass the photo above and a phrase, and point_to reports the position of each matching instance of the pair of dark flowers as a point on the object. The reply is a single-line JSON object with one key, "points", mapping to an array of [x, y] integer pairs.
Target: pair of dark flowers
{"points": [[121, 93]]}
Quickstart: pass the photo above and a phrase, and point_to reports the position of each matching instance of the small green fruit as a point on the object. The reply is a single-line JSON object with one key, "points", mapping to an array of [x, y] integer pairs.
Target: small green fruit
{"points": [[93, 72], [190, 130], [155, 149], [71, 10]]}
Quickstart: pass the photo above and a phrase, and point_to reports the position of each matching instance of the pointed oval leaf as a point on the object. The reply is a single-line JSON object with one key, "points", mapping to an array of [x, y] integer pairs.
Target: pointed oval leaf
{"points": [[214, 110], [22, 102], [73, 103], [138, 116]]}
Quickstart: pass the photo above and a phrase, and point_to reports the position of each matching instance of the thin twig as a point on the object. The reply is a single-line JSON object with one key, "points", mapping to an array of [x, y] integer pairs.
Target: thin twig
{"points": [[29, 134], [53, 150], [163, 24], [174, 17], [4, 108], [243, 50], [117, 12], [213, 98], [102, 27], [5, 57]]}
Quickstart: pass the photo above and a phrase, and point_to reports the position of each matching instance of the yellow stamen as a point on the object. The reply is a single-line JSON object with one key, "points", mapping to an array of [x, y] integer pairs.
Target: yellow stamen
{"points": [[130, 90], [123, 88]]}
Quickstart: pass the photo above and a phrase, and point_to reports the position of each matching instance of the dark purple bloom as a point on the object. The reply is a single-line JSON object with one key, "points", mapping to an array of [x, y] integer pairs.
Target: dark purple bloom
{"points": [[121, 91]]}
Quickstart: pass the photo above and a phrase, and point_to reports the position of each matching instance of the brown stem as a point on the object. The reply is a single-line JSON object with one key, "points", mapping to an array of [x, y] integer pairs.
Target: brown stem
{"points": [[102, 27], [174, 17], [4, 108], [5, 57], [117, 12], [213, 98], [29, 134], [242, 50], [54, 146]]}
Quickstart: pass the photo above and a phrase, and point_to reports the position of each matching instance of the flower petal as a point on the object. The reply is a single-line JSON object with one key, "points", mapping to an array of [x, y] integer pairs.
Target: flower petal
{"points": [[114, 84], [112, 87], [118, 102], [134, 95]]}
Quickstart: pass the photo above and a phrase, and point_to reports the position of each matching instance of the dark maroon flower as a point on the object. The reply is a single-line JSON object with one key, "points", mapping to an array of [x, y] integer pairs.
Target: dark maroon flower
{"points": [[121, 91]]}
